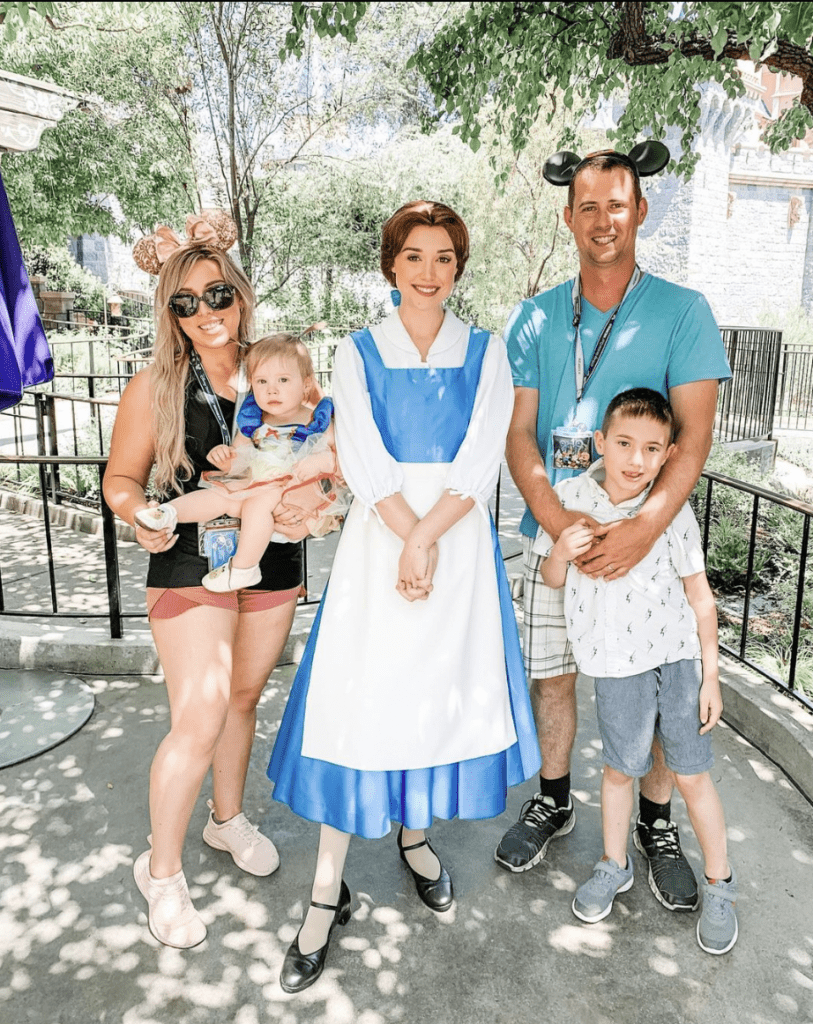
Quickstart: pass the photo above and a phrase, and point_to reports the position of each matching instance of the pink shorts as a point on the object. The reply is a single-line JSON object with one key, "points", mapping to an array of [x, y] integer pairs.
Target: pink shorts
{"points": [[167, 602]]}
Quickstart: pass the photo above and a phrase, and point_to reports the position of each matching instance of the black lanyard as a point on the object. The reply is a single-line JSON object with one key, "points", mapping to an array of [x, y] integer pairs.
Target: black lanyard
{"points": [[581, 377], [211, 397]]}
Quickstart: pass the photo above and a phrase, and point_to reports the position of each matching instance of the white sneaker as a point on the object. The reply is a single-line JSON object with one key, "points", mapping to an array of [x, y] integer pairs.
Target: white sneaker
{"points": [[159, 517], [172, 918], [250, 849], [228, 577]]}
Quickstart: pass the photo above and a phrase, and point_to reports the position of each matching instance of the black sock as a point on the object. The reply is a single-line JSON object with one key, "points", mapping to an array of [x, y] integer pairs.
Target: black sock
{"points": [[558, 789], [650, 812], [726, 880]]}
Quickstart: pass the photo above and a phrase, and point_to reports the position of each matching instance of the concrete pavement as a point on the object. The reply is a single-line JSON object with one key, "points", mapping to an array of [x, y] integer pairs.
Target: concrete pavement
{"points": [[75, 949]]}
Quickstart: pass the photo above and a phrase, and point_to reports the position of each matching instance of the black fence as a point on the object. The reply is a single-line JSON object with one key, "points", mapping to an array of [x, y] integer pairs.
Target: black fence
{"points": [[794, 393], [744, 613], [64, 422], [48, 472], [48, 481], [757, 548], [746, 403]]}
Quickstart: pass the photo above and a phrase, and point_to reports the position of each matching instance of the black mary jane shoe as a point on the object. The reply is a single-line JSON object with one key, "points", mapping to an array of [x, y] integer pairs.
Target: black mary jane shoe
{"points": [[436, 893], [300, 970]]}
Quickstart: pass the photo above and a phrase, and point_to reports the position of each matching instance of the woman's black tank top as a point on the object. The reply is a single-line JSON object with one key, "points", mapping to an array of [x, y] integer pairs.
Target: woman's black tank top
{"points": [[181, 565]]}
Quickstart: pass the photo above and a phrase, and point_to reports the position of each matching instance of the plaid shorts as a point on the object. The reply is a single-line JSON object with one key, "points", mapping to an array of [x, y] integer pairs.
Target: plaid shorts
{"points": [[545, 645]]}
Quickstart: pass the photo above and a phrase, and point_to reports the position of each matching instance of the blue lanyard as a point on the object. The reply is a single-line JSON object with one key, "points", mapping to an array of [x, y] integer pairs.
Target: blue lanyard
{"points": [[581, 377]]}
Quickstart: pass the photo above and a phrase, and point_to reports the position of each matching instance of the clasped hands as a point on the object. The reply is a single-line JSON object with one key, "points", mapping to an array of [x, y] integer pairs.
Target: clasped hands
{"points": [[416, 568]]}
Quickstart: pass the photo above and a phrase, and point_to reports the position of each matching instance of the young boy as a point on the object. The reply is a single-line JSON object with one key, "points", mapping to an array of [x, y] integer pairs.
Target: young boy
{"points": [[649, 639]]}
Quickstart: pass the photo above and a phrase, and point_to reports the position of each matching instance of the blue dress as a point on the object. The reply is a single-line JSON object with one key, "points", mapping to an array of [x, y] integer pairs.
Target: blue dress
{"points": [[422, 416]]}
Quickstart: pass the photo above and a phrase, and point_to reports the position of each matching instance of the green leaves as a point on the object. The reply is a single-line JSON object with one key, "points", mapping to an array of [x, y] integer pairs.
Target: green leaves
{"points": [[120, 152], [15, 15], [327, 19], [794, 123], [718, 40], [517, 53]]}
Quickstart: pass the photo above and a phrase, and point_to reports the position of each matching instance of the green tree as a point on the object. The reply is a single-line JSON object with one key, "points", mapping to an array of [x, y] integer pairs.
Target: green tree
{"points": [[118, 164], [261, 120], [516, 54]]}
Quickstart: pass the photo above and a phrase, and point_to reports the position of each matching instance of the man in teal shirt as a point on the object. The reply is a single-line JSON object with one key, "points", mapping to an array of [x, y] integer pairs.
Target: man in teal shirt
{"points": [[572, 349]]}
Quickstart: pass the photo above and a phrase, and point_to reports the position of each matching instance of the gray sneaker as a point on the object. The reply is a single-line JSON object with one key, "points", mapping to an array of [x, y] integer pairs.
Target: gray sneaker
{"points": [[717, 928], [594, 900]]}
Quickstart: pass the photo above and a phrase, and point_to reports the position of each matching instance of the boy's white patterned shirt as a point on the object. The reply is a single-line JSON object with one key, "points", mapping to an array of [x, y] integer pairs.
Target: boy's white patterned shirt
{"points": [[643, 619]]}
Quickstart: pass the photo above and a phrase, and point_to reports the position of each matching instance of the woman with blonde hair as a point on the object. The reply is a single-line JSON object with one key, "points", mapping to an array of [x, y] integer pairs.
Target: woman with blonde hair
{"points": [[216, 650]]}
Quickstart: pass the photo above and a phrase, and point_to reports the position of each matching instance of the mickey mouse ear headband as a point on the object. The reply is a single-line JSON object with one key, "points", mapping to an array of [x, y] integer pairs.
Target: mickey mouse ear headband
{"points": [[644, 160], [214, 227]]}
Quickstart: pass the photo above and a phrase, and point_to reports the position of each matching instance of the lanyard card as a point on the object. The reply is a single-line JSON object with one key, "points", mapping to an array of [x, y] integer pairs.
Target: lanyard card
{"points": [[217, 540], [572, 447]]}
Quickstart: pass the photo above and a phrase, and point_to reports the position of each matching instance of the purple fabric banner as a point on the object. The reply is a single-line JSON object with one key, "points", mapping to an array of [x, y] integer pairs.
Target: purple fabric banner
{"points": [[25, 358]]}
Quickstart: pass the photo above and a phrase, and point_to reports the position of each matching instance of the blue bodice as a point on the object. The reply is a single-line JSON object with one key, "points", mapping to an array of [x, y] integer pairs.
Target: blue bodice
{"points": [[422, 413]]}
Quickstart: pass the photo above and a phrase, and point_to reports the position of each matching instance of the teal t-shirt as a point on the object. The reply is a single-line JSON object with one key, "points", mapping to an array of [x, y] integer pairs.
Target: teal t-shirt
{"points": [[664, 336]]}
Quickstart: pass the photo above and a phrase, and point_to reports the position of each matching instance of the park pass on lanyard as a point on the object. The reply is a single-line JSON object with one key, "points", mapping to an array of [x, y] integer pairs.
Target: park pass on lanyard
{"points": [[573, 443], [217, 539]]}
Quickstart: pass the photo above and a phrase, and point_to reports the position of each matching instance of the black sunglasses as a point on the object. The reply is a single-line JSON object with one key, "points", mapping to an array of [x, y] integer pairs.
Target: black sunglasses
{"points": [[219, 296]]}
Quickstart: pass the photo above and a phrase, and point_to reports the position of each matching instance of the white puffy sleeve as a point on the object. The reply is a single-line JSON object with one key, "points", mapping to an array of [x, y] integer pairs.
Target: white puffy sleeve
{"points": [[372, 474], [474, 471]]}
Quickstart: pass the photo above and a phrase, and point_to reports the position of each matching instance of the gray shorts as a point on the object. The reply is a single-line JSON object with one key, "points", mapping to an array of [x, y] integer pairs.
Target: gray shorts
{"points": [[662, 702]]}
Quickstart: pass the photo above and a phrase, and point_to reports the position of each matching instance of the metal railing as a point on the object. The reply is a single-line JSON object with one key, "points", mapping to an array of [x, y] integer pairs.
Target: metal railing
{"points": [[753, 562], [51, 493], [794, 396], [49, 467], [745, 404], [747, 620], [35, 423]]}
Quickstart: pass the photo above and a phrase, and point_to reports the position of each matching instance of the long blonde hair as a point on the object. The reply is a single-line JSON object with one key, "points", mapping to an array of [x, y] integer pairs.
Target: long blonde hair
{"points": [[170, 370]]}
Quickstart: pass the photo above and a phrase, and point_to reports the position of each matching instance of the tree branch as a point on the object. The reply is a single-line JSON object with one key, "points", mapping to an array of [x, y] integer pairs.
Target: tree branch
{"points": [[635, 46]]}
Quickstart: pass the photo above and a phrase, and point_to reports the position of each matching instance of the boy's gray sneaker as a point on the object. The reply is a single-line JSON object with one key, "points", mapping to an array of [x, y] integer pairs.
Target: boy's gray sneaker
{"points": [[594, 900], [717, 928], [525, 843], [671, 878]]}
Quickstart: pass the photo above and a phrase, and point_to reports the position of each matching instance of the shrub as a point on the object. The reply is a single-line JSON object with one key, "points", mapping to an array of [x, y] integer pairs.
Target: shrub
{"points": [[63, 274]]}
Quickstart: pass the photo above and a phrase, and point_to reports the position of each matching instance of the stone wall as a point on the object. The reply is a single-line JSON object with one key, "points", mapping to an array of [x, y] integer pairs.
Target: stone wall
{"points": [[741, 229], [111, 261]]}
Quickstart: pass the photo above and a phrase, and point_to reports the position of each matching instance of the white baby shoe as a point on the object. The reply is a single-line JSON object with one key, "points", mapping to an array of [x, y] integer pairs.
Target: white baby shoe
{"points": [[160, 517], [228, 577]]}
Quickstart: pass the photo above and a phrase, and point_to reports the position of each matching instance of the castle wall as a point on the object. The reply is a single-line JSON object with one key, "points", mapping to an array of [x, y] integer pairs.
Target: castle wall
{"points": [[741, 229], [110, 260]]}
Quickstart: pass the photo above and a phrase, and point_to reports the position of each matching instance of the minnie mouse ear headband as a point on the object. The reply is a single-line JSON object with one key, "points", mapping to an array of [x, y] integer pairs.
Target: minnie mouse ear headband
{"points": [[644, 160], [215, 227]]}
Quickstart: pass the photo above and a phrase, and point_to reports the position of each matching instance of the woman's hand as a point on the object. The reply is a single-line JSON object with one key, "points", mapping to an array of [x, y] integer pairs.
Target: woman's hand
{"points": [[294, 530], [154, 541], [416, 569]]}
